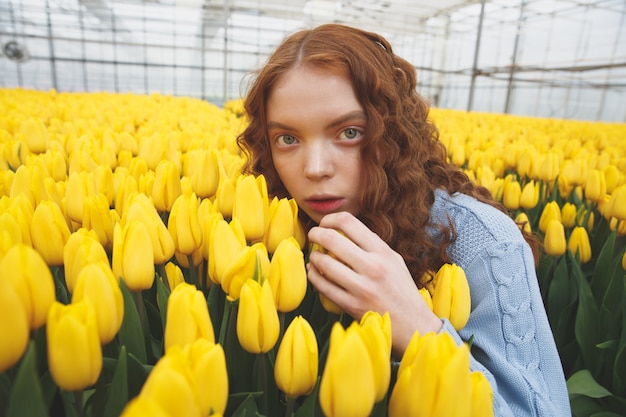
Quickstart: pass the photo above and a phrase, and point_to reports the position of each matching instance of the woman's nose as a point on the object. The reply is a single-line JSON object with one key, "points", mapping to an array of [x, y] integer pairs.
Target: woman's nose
{"points": [[318, 161]]}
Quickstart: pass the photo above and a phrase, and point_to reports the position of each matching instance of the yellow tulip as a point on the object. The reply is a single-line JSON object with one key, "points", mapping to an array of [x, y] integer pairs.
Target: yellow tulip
{"points": [[13, 326], [522, 221], [35, 135], [97, 217], [549, 167], [49, 232], [617, 225], [574, 171], [82, 248], [617, 204], [482, 396], [79, 185], [127, 189], [184, 226], [173, 275], [280, 223], [208, 366], [595, 187], [74, 352], [225, 195], [133, 260], [171, 384], [187, 317], [530, 195], [512, 194], [9, 225], [203, 170], [326, 303], [551, 211], [295, 370], [451, 297], [287, 275], [251, 262], [624, 261], [554, 240], [226, 241], [257, 321], [376, 334], [250, 205], [140, 208], [568, 215], [97, 284], [24, 268], [103, 180], [612, 176], [348, 370], [439, 369], [143, 406], [166, 188], [579, 243]]}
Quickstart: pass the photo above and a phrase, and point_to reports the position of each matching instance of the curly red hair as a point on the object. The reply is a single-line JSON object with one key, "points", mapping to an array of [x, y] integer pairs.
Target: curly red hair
{"points": [[403, 160]]}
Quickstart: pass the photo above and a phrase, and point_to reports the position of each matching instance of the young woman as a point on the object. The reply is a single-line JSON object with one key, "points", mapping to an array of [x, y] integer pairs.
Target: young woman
{"points": [[337, 124]]}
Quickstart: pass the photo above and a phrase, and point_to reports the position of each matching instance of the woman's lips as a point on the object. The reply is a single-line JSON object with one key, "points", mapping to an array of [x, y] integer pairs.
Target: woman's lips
{"points": [[325, 205]]}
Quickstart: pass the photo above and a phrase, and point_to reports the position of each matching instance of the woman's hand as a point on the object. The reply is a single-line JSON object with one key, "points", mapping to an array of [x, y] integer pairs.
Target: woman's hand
{"points": [[366, 274]]}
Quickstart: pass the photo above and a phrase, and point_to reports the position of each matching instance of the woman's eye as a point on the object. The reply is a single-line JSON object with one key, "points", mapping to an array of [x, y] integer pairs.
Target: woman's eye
{"points": [[286, 140], [351, 133]]}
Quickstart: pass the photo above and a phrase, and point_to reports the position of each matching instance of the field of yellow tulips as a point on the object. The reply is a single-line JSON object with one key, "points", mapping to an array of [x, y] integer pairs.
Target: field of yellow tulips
{"points": [[142, 274]]}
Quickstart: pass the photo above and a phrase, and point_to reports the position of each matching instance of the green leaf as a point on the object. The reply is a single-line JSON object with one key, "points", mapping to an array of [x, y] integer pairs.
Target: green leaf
{"points": [[601, 273], [118, 394], [310, 406], [583, 383], [162, 296], [587, 323], [131, 332], [26, 398], [247, 408], [606, 414], [137, 375]]}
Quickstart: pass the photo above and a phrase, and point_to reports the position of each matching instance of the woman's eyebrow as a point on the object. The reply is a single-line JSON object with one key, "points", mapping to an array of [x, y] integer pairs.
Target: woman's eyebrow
{"points": [[357, 114]]}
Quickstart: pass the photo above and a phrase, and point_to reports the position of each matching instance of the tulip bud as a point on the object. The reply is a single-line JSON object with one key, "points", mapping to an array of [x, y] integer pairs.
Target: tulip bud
{"points": [[568, 215], [612, 176], [203, 170], [225, 195], [24, 268], [171, 385], [257, 321], [376, 334], [103, 180], [74, 352], [595, 187], [530, 195], [523, 223], [617, 204], [187, 317], [287, 275], [208, 366], [173, 275], [49, 232], [127, 189], [79, 185], [348, 370], [132, 258], [183, 224], [35, 135], [280, 223], [295, 370], [512, 193], [22, 211], [579, 243], [166, 188], [143, 406], [482, 395], [14, 326], [97, 284], [251, 263], [97, 217], [226, 241], [551, 211], [624, 261], [554, 240], [549, 167], [250, 205], [82, 248], [451, 297], [140, 208]]}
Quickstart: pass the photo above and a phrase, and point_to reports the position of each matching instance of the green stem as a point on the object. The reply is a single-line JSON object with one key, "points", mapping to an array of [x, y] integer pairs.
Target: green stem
{"points": [[193, 273], [291, 403], [161, 268], [228, 306], [262, 382], [78, 402], [140, 308]]}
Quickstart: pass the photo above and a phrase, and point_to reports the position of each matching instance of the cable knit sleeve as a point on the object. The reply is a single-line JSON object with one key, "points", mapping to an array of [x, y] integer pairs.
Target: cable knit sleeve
{"points": [[512, 343]]}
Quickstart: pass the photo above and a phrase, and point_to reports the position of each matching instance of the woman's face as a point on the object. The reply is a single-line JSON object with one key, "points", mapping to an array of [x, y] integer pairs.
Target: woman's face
{"points": [[316, 127]]}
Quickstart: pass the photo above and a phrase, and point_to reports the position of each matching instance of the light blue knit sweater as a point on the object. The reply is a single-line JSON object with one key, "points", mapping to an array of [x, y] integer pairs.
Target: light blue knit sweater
{"points": [[513, 343]]}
